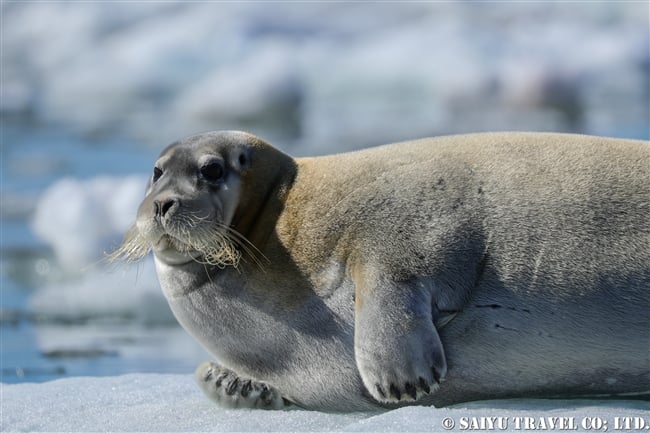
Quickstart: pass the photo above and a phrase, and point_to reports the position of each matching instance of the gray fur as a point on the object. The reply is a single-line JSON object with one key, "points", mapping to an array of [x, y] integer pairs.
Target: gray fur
{"points": [[533, 251]]}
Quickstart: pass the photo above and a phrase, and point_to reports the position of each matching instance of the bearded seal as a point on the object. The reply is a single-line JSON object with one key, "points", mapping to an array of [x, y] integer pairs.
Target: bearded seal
{"points": [[434, 271]]}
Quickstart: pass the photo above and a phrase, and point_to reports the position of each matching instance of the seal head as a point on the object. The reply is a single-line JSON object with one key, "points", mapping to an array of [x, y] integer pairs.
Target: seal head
{"points": [[192, 199]]}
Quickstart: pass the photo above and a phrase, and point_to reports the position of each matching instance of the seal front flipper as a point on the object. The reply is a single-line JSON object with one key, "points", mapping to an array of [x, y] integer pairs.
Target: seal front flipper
{"points": [[230, 390], [397, 348]]}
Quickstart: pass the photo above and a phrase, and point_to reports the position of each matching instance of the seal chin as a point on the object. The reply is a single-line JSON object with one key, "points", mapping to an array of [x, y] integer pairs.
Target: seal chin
{"points": [[173, 257], [165, 251]]}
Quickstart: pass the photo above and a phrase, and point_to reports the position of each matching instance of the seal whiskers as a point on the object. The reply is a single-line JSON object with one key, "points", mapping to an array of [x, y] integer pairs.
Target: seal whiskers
{"points": [[219, 244], [189, 233], [133, 248], [247, 246]]}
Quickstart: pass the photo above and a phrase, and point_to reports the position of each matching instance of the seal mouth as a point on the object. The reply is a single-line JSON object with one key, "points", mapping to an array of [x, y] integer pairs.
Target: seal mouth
{"points": [[209, 246], [187, 239], [167, 249]]}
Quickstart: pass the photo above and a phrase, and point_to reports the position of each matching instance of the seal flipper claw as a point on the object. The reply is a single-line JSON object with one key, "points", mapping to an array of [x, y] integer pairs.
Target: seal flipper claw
{"points": [[220, 377], [229, 390], [395, 392], [246, 388], [232, 386], [412, 391], [425, 387], [436, 375]]}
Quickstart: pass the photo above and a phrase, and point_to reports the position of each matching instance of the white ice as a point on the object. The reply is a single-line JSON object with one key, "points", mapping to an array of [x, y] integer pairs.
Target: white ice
{"points": [[149, 402], [83, 221]]}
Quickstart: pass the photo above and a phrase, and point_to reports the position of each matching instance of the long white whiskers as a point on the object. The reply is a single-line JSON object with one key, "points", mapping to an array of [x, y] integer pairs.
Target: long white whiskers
{"points": [[219, 244]]}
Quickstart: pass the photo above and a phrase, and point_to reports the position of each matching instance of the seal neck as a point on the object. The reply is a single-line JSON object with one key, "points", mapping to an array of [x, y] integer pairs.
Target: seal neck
{"points": [[263, 194]]}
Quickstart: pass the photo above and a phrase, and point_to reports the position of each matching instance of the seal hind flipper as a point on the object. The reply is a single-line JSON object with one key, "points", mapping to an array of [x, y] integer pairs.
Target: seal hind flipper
{"points": [[399, 355], [232, 391]]}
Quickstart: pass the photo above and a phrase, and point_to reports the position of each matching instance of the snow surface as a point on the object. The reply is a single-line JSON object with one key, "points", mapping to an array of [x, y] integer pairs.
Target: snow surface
{"points": [[151, 402]]}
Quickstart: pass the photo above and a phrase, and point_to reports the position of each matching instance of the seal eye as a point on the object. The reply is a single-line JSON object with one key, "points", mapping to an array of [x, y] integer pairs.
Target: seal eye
{"points": [[156, 174], [213, 171]]}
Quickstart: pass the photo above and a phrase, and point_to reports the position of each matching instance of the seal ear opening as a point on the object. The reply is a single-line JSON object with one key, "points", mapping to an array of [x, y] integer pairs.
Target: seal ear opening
{"points": [[241, 160]]}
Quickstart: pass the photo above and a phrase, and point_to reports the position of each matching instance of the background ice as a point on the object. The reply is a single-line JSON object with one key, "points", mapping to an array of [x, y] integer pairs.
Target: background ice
{"points": [[314, 74], [149, 402], [83, 221]]}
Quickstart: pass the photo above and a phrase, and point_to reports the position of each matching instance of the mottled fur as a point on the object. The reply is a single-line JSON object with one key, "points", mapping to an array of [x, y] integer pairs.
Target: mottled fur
{"points": [[532, 249]]}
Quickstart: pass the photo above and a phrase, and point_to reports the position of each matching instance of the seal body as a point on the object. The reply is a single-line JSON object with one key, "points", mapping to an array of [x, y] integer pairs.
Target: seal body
{"points": [[428, 272]]}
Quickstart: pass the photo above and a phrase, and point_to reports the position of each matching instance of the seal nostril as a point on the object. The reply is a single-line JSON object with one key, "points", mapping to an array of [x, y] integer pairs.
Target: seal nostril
{"points": [[162, 207], [166, 206]]}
